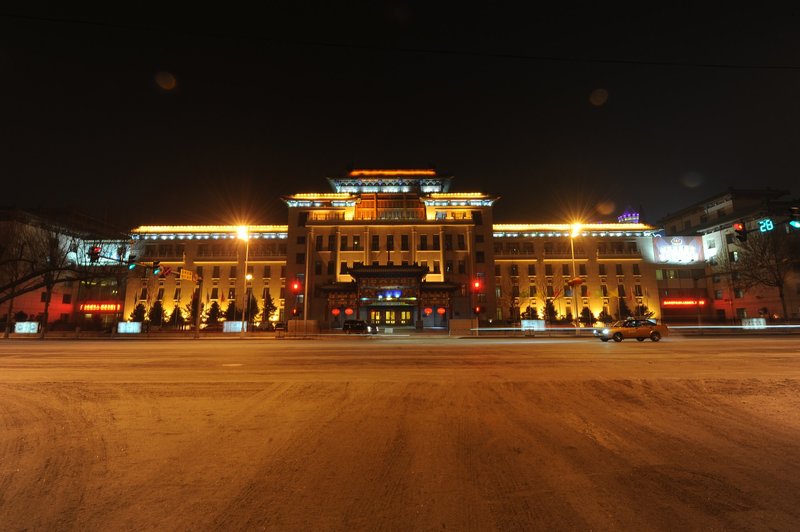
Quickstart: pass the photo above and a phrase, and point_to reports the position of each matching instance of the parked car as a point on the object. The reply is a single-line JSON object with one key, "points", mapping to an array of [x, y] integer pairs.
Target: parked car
{"points": [[359, 326], [639, 328], [280, 326]]}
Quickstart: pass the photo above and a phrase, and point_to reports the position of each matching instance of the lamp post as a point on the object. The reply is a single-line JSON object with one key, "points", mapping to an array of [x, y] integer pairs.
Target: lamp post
{"points": [[576, 230], [244, 234]]}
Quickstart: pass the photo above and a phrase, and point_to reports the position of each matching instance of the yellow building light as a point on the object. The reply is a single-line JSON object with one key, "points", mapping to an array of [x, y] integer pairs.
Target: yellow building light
{"points": [[377, 173]]}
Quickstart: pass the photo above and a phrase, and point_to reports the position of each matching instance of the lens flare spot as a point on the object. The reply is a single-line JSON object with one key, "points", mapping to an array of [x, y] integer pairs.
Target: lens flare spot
{"points": [[599, 97], [605, 207], [692, 179], [166, 81]]}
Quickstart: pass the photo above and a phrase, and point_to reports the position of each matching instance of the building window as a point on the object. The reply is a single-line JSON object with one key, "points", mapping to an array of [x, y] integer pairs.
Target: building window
{"points": [[602, 269], [66, 299], [177, 295], [565, 270], [479, 239], [636, 270], [318, 243], [531, 269], [318, 267], [514, 269], [300, 258], [301, 239], [264, 293], [462, 245], [532, 288], [581, 269], [160, 294], [199, 271], [717, 294], [729, 238], [423, 242], [215, 273], [436, 266], [357, 243], [619, 269], [550, 292], [584, 291], [448, 266], [43, 297], [448, 242], [376, 243], [436, 242], [637, 290], [143, 293], [462, 267], [711, 243], [738, 293], [215, 293], [343, 246], [548, 269], [283, 271], [233, 272], [331, 242], [390, 242], [621, 290], [479, 257], [403, 242], [497, 270], [231, 293], [604, 290], [331, 267], [343, 267]]}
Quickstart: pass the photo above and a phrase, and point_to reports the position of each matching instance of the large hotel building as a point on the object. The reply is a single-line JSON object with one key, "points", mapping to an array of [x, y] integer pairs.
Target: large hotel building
{"points": [[398, 247]]}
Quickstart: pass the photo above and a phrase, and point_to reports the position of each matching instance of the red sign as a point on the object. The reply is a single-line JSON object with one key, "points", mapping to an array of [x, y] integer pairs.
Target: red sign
{"points": [[428, 311], [683, 302], [100, 306], [348, 311], [441, 310], [336, 312]]}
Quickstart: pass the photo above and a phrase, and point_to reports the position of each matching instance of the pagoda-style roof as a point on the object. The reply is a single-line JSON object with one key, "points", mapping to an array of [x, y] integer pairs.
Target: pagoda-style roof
{"points": [[391, 181]]}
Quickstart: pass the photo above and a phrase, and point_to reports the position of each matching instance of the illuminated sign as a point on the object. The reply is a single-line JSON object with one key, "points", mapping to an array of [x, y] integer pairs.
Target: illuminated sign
{"points": [[26, 327], [100, 306], [683, 302], [766, 225], [678, 249]]}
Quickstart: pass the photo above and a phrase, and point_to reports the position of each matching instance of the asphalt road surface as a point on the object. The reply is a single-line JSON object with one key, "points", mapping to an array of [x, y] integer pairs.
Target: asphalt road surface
{"points": [[381, 433]]}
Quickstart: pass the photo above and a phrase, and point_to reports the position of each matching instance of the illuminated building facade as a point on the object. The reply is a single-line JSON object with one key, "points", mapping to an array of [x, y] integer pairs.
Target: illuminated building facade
{"points": [[399, 248], [707, 288]]}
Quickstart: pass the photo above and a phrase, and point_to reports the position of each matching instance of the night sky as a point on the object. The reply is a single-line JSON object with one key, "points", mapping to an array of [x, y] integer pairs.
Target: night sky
{"points": [[172, 116]]}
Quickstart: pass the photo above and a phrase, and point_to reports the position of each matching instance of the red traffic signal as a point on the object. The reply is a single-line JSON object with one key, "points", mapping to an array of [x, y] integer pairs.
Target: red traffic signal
{"points": [[741, 231], [296, 287], [477, 284], [476, 310]]}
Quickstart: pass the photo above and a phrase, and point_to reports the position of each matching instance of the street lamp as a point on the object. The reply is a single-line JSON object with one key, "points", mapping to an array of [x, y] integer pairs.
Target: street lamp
{"points": [[576, 281], [244, 234]]}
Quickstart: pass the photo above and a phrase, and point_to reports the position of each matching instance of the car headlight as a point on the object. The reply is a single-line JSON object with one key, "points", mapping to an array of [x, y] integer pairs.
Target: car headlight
{"points": [[606, 331]]}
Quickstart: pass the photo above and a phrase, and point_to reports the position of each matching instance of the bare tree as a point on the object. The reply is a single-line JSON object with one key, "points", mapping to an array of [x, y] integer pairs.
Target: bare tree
{"points": [[766, 259]]}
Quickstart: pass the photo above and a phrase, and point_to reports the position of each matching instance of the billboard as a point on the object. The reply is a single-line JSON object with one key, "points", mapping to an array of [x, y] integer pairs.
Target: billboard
{"points": [[678, 249]]}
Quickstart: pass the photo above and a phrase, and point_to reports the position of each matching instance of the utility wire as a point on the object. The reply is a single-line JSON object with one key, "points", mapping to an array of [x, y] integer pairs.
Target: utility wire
{"points": [[409, 50]]}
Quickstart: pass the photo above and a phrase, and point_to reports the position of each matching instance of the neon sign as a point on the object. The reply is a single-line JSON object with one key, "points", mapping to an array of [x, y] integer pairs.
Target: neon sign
{"points": [[683, 302], [100, 306]]}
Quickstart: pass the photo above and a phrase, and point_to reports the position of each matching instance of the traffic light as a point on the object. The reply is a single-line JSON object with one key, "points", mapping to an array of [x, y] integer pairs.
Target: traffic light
{"points": [[741, 231], [297, 287], [794, 217], [295, 312], [476, 310], [156, 267], [131, 262], [94, 254], [477, 284]]}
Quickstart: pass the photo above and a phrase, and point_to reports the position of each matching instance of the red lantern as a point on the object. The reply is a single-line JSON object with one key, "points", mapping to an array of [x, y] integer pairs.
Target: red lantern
{"points": [[348, 311], [441, 310], [336, 312], [428, 311]]}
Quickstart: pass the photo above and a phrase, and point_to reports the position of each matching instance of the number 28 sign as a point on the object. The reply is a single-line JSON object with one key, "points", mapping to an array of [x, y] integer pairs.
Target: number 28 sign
{"points": [[765, 225]]}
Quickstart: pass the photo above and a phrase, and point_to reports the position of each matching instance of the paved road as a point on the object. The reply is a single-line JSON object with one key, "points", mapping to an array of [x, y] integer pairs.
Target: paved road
{"points": [[400, 434]]}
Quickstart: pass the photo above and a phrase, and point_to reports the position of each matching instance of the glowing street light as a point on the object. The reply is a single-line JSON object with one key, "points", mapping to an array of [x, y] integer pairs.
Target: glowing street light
{"points": [[243, 233], [576, 231]]}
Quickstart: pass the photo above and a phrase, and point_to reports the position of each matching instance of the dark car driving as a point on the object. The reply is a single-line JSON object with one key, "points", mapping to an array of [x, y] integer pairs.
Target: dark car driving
{"points": [[359, 327]]}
